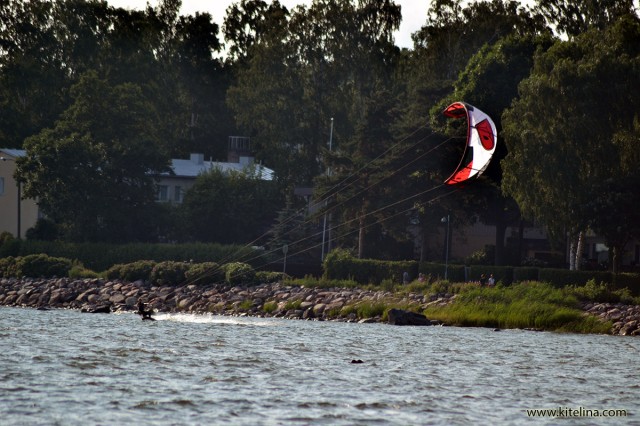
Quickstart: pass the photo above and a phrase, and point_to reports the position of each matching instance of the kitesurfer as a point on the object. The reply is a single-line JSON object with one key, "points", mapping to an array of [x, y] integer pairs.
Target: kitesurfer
{"points": [[144, 313]]}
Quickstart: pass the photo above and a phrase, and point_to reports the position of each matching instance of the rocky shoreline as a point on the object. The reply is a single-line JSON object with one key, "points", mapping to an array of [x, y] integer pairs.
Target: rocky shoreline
{"points": [[625, 318], [265, 300]]}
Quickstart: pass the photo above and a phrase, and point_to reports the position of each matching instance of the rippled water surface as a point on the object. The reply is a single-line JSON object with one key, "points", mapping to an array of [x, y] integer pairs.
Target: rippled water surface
{"points": [[70, 368]]}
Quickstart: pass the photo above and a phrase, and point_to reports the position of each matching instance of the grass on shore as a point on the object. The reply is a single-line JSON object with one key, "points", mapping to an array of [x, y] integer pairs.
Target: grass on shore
{"points": [[532, 305]]}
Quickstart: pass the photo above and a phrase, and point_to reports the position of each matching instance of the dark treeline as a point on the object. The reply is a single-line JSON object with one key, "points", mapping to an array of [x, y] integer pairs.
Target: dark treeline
{"points": [[100, 97]]}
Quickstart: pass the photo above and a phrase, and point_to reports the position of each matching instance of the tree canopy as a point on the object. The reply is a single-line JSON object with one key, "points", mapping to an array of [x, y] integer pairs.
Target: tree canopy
{"points": [[102, 97], [570, 134]]}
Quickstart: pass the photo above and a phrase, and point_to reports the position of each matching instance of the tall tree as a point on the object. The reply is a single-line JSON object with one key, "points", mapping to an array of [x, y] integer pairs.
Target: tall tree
{"points": [[490, 82], [92, 172], [328, 59], [33, 84], [574, 17], [229, 208], [570, 132], [454, 34]]}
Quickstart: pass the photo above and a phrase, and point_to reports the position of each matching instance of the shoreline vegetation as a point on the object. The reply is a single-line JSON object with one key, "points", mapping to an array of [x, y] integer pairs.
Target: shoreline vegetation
{"points": [[527, 305]]}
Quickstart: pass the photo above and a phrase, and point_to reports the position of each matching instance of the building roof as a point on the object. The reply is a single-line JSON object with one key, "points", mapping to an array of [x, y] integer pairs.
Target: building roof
{"points": [[14, 152], [196, 165]]}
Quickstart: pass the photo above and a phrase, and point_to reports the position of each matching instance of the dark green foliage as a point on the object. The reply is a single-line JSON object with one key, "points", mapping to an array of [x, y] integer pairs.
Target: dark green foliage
{"points": [[169, 273], [7, 267], [101, 256], [204, 273], [563, 277], [502, 274], [239, 273], [341, 265], [229, 207], [594, 291], [44, 229], [628, 281], [41, 265], [9, 246], [263, 277], [140, 270], [526, 274], [455, 273]]}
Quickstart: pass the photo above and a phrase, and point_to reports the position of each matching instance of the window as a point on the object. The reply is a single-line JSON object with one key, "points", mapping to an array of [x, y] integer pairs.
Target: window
{"points": [[1, 186], [177, 194], [163, 193]]}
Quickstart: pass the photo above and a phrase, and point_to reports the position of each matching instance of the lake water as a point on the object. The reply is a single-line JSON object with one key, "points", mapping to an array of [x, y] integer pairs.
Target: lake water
{"points": [[71, 368]]}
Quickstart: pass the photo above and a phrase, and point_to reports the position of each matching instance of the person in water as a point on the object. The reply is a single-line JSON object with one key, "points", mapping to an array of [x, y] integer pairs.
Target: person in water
{"points": [[144, 313]]}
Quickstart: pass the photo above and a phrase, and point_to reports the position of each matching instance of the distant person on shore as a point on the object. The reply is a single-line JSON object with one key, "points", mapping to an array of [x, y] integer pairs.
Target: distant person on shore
{"points": [[483, 280], [491, 281], [405, 277]]}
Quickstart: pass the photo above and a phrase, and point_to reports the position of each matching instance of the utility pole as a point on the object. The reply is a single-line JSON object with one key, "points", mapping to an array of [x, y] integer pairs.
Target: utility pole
{"points": [[446, 250]]}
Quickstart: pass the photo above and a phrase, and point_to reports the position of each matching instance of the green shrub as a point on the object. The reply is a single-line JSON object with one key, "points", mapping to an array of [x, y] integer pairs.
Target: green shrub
{"points": [[204, 273], [79, 271], [41, 265], [628, 281], [563, 277], [455, 273], [269, 277], [369, 309], [270, 307], [9, 246], [239, 273], [602, 292], [340, 265], [8, 267], [102, 256], [169, 273], [313, 282], [525, 273], [140, 270], [292, 305]]}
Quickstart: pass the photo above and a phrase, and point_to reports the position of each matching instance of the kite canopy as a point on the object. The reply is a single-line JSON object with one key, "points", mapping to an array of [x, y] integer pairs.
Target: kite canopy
{"points": [[480, 144]]}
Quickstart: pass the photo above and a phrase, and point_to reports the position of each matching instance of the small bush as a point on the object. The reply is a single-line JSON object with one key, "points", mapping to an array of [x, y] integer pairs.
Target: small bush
{"points": [[41, 265], [239, 273], [169, 273], [140, 270], [268, 277], [369, 309], [9, 246], [204, 273], [79, 271], [270, 307], [8, 267]]}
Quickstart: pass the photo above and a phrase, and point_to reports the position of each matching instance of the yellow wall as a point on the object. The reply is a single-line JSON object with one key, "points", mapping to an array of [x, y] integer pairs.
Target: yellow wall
{"points": [[9, 202]]}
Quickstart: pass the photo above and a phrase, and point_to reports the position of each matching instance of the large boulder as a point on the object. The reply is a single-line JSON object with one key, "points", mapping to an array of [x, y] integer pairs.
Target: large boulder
{"points": [[401, 317]]}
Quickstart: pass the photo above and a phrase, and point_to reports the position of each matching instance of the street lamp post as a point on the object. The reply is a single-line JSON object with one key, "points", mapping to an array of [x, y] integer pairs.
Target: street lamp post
{"points": [[446, 220], [18, 200], [324, 225]]}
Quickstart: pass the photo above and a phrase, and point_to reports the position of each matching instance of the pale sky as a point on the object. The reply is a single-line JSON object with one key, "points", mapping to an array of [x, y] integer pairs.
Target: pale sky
{"points": [[414, 12]]}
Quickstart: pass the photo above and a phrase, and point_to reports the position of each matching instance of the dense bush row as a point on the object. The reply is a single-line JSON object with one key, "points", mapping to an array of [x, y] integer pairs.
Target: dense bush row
{"points": [[34, 265], [160, 273], [338, 265], [102, 256], [341, 265]]}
